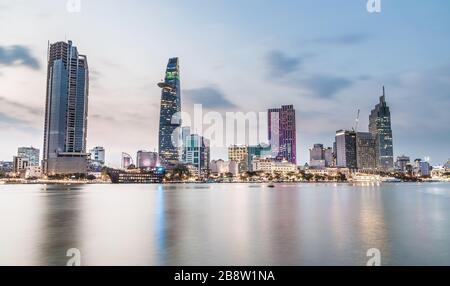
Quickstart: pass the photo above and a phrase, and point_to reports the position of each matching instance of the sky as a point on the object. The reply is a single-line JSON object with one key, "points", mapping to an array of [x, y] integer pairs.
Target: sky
{"points": [[328, 58]]}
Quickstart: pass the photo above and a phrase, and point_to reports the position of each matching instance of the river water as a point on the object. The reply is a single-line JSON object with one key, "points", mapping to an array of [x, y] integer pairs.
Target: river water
{"points": [[225, 224]]}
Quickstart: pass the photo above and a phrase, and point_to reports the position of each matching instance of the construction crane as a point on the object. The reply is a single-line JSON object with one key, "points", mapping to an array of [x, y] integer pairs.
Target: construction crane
{"points": [[357, 121]]}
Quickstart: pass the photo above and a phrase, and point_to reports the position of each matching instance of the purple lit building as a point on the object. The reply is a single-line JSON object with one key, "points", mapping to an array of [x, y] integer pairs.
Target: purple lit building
{"points": [[282, 133]]}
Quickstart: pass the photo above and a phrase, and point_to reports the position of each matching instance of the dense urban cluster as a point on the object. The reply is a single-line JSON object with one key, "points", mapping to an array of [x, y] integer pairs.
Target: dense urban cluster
{"points": [[355, 155]]}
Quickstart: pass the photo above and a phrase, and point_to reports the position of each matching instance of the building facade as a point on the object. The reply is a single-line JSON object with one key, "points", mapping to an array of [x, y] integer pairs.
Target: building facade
{"points": [[273, 166], [98, 155], [197, 153], [239, 154], [380, 127], [65, 129], [147, 160], [20, 164], [170, 115], [257, 151], [219, 167], [346, 149], [283, 133], [320, 157], [366, 154], [421, 168], [402, 162], [31, 153], [126, 161]]}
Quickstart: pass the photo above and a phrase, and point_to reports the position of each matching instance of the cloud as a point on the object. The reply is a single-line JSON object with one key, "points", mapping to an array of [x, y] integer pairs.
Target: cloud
{"points": [[18, 55], [9, 120], [103, 117], [30, 109], [348, 39], [281, 64], [326, 86], [210, 97], [284, 69]]}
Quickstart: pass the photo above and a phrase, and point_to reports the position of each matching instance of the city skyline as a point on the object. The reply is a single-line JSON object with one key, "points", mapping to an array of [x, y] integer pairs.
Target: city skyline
{"points": [[416, 80]]}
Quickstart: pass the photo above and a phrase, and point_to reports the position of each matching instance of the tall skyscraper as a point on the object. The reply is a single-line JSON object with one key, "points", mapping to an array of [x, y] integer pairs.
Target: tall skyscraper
{"points": [[31, 153], [346, 149], [366, 151], [66, 110], [282, 133], [380, 127], [170, 115]]}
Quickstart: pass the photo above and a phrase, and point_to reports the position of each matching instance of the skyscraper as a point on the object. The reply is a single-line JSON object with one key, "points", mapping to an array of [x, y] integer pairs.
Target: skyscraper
{"points": [[66, 110], [380, 127], [366, 151], [346, 149], [282, 133], [170, 115]]}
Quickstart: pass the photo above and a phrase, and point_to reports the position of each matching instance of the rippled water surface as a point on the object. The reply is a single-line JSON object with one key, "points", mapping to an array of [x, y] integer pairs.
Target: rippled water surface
{"points": [[225, 224]]}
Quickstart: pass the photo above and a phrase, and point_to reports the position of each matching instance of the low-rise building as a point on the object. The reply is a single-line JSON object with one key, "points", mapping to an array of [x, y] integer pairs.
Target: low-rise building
{"points": [[20, 164], [273, 166], [33, 172]]}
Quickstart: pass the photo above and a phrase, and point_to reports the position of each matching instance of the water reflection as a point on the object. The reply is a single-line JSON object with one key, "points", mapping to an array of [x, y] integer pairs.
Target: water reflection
{"points": [[225, 224]]}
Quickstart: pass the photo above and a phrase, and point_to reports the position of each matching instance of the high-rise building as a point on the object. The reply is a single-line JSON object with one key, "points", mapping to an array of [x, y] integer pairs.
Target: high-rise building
{"points": [[282, 133], [66, 110], [380, 127], [170, 115], [197, 152], [31, 153], [328, 155], [147, 160], [98, 155], [346, 149], [402, 162], [239, 154], [366, 156]]}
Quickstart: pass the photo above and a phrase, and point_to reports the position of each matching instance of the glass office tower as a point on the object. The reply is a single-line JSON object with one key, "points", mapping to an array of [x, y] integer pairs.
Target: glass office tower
{"points": [[66, 110], [380, 127], [170, 115]]}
